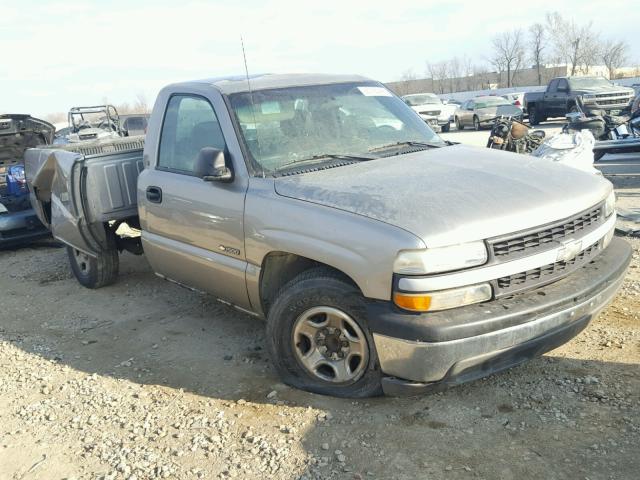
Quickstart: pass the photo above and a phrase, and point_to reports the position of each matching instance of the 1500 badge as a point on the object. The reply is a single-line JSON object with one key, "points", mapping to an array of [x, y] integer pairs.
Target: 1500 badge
{"points": [[229, 250]]}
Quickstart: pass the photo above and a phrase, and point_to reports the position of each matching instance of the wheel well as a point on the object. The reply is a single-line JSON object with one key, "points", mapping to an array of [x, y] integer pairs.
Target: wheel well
{"points": [[279, 268]]}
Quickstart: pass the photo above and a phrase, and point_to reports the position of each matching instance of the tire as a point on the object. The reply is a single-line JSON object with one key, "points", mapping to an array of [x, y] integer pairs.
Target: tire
{"points": [[95, 272], [476, 123], [459, 125], [300, 325], [533, 115], [446, 127]]}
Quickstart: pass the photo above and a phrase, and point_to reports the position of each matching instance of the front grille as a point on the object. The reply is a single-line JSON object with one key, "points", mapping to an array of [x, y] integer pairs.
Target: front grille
{"points": [[608, 95], [545, 274], [431, 112], [527, 243], [613, 102]]}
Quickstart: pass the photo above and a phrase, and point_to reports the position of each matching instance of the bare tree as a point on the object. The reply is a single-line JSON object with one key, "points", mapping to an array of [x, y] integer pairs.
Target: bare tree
{"points": [[614, 54], [577, 45], [141, 105], [508, 53], [407, 77], [56, 117], [455, 74], [537, 45], [482, 76], [439, 73], [467, 70]]}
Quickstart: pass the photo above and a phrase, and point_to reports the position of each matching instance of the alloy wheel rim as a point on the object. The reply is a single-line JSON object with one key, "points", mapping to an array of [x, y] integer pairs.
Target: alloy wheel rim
{"points": [[330, 345]]}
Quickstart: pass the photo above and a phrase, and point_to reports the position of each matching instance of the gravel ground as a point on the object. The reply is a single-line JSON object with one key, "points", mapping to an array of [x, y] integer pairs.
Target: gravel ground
{"points": [[145, 380]]}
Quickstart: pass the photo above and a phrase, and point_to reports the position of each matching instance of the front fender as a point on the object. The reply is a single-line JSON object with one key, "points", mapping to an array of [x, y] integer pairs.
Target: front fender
{"points": [[360, 247]]}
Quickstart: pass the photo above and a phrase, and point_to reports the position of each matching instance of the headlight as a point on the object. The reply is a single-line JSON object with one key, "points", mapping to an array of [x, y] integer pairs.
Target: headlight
{"points": [[443, 259], [610, 204], [443, 299]]}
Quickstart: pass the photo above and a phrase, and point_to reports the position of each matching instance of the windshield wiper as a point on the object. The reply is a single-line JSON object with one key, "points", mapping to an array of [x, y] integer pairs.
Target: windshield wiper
{"points": [[407, 144], [322, 156]]}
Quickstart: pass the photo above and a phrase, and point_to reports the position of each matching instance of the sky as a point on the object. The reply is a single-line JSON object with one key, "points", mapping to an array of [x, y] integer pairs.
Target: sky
{"points": [[59, 54]]}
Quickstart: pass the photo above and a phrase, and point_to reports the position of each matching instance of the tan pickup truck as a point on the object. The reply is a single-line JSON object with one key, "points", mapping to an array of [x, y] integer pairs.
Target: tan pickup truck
{"points": [[383, 258]]}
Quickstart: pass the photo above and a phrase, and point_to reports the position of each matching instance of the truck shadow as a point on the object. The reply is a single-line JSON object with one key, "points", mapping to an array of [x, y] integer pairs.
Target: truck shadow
{"points": [[150, 332]]}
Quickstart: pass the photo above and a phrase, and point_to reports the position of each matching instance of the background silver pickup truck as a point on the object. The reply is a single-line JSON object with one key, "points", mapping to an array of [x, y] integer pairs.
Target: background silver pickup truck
{"points": [[382, 257]]}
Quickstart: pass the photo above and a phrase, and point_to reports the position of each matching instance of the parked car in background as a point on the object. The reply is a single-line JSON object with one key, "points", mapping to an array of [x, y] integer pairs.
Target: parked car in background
{"points": [[431, 110], [516, 99], [597, 93], [382, 257], [134, 124], [18, 221], [482, 111]]}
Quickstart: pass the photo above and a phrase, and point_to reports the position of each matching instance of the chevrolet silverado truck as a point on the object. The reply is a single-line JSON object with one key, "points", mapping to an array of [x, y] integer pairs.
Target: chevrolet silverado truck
{"points": [[383, 258], [18, 221], [597, 93]]}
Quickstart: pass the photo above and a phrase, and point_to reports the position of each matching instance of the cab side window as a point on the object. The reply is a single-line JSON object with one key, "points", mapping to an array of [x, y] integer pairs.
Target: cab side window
{"points": [[190, 124], [563, 85], [553, 86]]}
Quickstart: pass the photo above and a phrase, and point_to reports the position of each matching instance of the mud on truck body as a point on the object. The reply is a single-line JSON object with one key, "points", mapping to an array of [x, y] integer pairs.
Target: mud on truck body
{"points": [[382, 258]]}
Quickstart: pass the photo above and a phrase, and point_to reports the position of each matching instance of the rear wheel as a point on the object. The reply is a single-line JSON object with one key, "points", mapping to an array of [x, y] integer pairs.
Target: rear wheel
{"points": [[476, 123], [319, 339], [95, 272], [533, 115], [459, 124]]}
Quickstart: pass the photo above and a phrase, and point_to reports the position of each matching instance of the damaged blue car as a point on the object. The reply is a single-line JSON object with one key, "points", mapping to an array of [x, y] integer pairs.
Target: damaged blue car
{"points": [[18, 221]]}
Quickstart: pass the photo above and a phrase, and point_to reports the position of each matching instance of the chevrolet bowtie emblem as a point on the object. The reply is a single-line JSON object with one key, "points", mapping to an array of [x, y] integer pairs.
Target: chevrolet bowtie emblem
{"points": [[570, 249]]}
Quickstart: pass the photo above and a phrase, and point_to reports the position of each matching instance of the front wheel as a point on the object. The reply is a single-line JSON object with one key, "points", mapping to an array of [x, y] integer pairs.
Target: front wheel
{"points": [[95, 272], [319, 339], [459, 125], [446, 127], [476, 124]]}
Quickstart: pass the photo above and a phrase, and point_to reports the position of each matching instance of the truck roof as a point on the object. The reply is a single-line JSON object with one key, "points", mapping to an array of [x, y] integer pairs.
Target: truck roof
{"points": [[267, 81]]}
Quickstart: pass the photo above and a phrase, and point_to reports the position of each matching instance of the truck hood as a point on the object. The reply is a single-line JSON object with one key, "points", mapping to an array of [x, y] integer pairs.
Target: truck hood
{"points": [[453, 194], [603, 89]]}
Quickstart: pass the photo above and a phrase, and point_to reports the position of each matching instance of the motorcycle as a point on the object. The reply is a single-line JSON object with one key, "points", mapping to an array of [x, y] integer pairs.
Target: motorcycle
{"points": [[514, 136], [613, 133]]}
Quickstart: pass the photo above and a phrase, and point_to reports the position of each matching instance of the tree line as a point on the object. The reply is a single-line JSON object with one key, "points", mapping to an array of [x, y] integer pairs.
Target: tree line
{"points": [[557, 41]]}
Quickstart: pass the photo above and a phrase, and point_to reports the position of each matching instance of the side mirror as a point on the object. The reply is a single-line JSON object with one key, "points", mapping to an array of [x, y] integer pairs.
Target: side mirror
{"points": [[211, 166]]}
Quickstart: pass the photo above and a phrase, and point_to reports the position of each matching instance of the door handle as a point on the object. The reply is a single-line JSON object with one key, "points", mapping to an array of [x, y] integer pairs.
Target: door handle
{"points": [[154, 194]]}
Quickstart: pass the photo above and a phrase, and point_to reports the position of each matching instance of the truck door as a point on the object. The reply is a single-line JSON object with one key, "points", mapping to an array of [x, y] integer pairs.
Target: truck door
{"points": [[192, 230], [551, 102], [563, 96]]}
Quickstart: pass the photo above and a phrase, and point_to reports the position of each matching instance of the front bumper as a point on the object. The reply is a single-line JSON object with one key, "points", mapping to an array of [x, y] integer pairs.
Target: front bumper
{"points": [[19, 227], [426, 352]]}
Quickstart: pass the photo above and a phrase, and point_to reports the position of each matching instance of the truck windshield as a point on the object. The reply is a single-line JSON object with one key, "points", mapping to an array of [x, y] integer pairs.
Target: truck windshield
{"points": [[282, 127], [423, 99], [488, 102], [577, 83]]}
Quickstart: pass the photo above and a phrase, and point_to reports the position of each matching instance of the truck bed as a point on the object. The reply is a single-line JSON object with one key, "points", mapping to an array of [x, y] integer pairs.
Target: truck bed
{"points": [[78, 188]]}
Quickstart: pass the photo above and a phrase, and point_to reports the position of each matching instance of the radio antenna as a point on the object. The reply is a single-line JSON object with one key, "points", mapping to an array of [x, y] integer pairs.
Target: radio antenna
{"points": [[251, 99]]}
